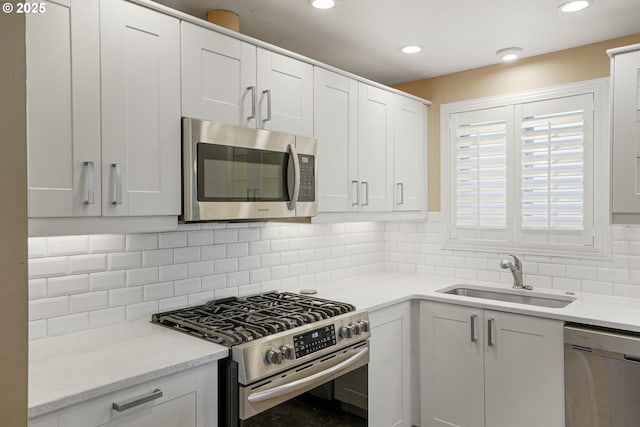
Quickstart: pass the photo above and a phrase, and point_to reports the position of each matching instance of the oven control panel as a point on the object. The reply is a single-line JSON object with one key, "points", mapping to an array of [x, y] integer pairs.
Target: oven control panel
{"points": [[267, 356], [315, 340], [307, 178]]}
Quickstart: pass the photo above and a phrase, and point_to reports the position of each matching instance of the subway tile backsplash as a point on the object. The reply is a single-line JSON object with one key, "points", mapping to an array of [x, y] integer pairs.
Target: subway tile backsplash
{"points": [[417, 247], [82, 282]]}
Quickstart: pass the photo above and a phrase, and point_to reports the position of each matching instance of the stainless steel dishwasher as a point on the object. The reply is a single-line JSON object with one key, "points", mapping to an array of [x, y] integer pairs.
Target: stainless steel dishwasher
{"points": [[602, 377]]}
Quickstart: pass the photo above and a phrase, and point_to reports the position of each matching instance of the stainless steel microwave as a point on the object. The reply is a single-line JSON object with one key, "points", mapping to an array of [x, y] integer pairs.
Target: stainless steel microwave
{"points": [[233, 173]]}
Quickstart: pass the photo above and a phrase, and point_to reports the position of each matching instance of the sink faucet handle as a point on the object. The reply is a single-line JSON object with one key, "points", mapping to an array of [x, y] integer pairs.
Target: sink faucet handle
{"points": [[516, 262]]}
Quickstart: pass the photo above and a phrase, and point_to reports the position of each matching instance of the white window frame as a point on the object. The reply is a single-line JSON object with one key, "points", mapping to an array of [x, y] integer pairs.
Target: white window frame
{"points": [[599, 179]]}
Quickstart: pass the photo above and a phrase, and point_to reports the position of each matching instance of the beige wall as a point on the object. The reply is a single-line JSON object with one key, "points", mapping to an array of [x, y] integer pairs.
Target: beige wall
{"points": [[571, 65], [13, 224]]}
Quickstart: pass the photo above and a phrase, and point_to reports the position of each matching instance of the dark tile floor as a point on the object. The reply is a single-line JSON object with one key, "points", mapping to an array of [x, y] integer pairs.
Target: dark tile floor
{"points": [[306, 411]]}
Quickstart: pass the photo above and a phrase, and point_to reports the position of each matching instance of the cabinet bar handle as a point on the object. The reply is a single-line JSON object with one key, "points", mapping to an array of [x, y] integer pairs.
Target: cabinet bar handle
{"points": [[137, 401], [90, 183], [117, 188], [357, 201], [473, 321], [253, 102], [365, 186], [490, 325], [401, 188], [268, 93]]}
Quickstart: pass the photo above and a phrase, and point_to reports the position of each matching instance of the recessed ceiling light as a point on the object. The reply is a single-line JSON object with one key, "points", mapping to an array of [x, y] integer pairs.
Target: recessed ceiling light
{"points": [[509, 54], [323, 4], [414, 48], [574, 5]]}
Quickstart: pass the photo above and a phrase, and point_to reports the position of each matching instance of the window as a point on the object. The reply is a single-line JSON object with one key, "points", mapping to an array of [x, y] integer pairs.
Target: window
{"points": [[521, 171]]}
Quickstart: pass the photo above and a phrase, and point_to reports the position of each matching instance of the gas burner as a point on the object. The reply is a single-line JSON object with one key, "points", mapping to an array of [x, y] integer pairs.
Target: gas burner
{"points": [[232, 321]]}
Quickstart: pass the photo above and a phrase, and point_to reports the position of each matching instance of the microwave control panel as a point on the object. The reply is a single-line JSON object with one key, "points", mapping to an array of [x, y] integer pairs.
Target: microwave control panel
{"points": [[307, 178]]}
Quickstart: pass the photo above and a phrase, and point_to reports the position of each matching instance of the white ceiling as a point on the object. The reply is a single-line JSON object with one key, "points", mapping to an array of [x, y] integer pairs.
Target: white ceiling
{"points": [[364, 36]]}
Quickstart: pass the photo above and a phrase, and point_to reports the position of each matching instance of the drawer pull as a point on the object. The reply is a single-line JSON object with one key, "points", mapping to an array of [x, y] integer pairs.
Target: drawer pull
{"points": [[136, 401]]}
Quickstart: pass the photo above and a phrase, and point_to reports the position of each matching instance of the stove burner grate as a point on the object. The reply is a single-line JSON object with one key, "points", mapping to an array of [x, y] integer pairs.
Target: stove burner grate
{"points": [[232, 321]]}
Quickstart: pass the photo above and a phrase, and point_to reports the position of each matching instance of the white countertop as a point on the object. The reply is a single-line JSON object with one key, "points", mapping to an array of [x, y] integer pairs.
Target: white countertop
{"points": [[375, 291], [72, 368]]}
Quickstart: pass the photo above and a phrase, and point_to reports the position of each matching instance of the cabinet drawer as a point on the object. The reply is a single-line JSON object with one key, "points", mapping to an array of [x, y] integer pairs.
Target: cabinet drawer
{"points": [[176, 407]]}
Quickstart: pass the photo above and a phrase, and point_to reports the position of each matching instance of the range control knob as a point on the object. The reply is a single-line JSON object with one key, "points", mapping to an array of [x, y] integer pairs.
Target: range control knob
{"points": [[287, 352], [346, 331], [356, 328], [364, 325], [274, 357]]}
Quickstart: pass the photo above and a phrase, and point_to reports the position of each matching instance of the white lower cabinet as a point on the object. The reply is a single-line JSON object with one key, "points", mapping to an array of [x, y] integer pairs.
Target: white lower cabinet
{"points": [[487, 368], [189, 399], [390, 365]]}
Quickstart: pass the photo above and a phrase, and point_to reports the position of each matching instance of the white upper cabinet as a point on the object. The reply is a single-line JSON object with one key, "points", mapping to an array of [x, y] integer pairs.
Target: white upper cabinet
{"points": [[285, 93], [140, 51], [218, 77], [371, 145], [625, 73], [336, 129], [375, 148], [409, 169], [231, 81], [63, 109]]}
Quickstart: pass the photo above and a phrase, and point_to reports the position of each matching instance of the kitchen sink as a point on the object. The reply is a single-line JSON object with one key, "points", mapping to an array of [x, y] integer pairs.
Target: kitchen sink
{"points": [[515, 296]]}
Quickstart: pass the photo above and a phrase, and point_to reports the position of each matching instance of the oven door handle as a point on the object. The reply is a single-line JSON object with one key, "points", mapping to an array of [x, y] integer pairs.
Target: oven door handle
{"points": [[298, 384]]}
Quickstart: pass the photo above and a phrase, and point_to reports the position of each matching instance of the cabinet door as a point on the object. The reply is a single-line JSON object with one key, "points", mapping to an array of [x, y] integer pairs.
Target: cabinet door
{"points": [[140, 51], [336, 128], [175, 408], [63, 109], [452, 366], [375, 148], [409, 153], [626, 137], [524, 371], [218, 77], [285, 95], [390, 367]]}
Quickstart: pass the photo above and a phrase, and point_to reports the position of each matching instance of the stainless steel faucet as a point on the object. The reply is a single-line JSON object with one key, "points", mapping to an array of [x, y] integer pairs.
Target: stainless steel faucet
{"points": [[516, 271]]}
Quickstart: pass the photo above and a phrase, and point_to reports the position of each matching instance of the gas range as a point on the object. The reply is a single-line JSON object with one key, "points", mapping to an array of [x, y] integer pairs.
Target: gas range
{"points": [[272, 332]]}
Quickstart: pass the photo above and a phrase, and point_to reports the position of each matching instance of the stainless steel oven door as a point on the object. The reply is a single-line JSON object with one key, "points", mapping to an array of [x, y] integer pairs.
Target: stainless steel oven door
{"points": [[268, 393], [234, 173]]}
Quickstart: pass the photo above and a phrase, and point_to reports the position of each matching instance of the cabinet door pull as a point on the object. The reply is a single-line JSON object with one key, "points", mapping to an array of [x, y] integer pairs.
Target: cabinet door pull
{"points": [[473, 321], [401, 189], [357, 199], [268, 93], [490, 324], [117, 188], [136, 401], [253, 102], [90, 183], [365, 186]]}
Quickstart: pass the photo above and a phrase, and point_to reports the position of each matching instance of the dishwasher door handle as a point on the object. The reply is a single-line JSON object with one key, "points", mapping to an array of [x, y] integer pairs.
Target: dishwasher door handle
{"points": [[632, 358]]}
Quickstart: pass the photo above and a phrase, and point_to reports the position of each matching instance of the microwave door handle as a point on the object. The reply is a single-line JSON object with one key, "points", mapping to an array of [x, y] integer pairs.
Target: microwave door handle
{"points": [[296, 177]]}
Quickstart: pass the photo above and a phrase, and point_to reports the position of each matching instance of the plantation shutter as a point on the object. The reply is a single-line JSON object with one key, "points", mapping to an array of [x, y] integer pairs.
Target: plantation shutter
{"points": [[554, 139], [479, 174]]}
